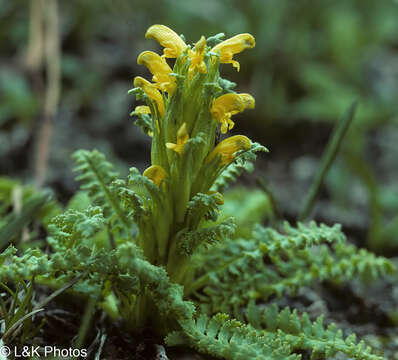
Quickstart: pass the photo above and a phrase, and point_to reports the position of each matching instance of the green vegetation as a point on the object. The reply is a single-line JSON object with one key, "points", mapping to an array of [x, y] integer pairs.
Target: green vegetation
{"points": [[296, 261]]}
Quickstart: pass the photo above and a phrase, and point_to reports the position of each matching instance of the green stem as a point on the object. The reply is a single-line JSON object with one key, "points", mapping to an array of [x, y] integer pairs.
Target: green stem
{"points": [[328, 157], [86, 321], [59, 291], [141, 315], [197, 284]]}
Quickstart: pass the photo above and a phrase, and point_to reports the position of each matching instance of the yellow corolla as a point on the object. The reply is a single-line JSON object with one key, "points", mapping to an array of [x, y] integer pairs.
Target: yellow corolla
{"points": [[197, 56], [228, 48], [142, 110], [155, 173], [248, 101], [159, 69], [151, 91], [182, 138], [173, 45], [228, 147], [230, 104]]}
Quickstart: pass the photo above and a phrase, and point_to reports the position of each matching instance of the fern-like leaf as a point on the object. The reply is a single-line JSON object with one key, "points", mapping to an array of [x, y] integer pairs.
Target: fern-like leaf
{"points": [[202, 205], [97, 176], [303, 334], [73, 227], [243, 162], [230, 339], [191, 240], [232, 273], [144, 121], [132, 202], [300, 237]]}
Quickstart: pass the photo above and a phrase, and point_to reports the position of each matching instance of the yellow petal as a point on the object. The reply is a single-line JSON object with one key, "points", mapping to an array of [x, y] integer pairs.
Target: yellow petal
{"points": [[159, 69], [228, 48], [228, 147], [200, 46], [182, 134], [197, 56], [248, 101], [230, 104], [178, 148], [142, 109], [155, 173], [182, 138], [173, 45], [151, 91]]}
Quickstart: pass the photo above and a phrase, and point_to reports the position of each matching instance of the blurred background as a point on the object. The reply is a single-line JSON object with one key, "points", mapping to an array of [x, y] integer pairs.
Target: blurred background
{"points": [[66, 67]]}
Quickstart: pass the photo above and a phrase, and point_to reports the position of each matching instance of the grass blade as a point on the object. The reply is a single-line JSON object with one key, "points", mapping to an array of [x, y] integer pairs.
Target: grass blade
{"points": [[328, 157]]}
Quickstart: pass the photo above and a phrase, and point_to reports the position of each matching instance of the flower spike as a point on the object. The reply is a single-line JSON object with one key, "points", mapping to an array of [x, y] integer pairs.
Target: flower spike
{"points": [[155, 173], [159, 69], [182, 138], [151, 91], [173, 45], [230, 104], [232, 46], [228, 147]]}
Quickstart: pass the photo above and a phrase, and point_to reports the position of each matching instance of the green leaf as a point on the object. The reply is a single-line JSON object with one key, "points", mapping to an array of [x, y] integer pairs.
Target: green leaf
{"points": [[97, 176]]}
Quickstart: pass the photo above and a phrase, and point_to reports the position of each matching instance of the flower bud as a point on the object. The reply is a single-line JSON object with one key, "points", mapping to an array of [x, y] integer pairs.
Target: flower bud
{"points": [[173, 45], [155, 173], [228, 147], [142, 110], [182, 138]]}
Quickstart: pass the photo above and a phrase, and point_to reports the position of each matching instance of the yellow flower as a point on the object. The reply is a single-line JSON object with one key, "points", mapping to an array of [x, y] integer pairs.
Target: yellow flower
{"points": [[173, 45], [230, 104], [247, 100], [182, 138], [151, 91], [142, 109], [197, 57], [228, 147], [232, 46], [159, 69], [155, 173]]}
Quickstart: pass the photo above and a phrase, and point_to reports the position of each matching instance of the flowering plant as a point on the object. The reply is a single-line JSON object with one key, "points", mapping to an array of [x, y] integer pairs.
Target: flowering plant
{"points": [[185, 107], [156, 250]]}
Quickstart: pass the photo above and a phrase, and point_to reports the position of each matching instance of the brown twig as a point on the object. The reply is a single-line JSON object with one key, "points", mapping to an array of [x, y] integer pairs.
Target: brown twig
{"points": [[17, 194], [34, 53], [51, 41]]}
